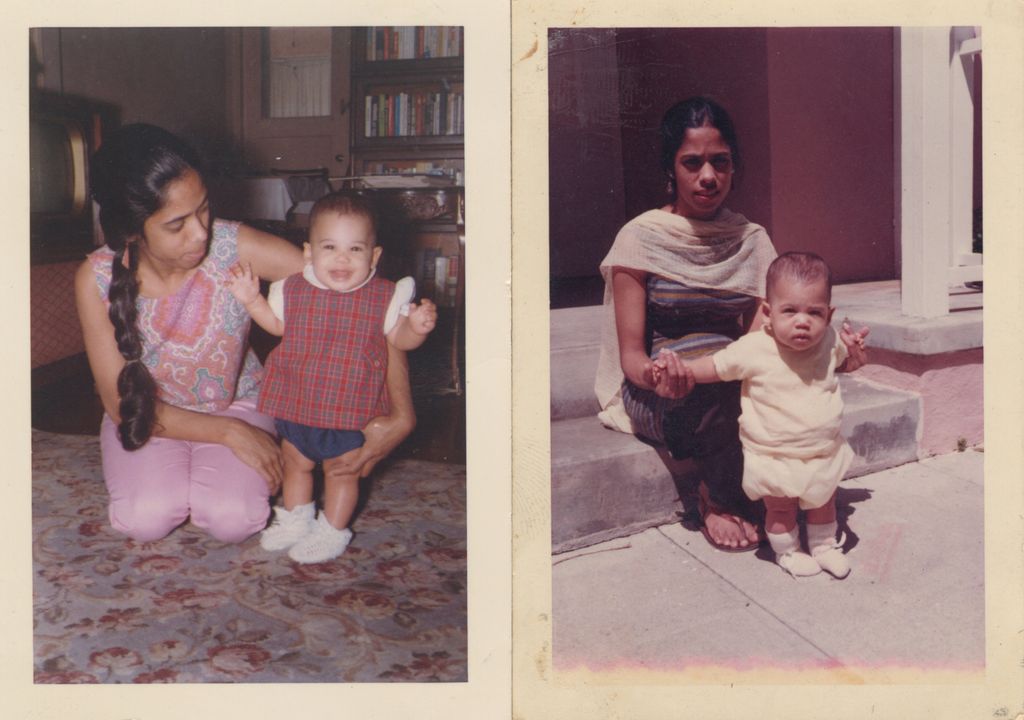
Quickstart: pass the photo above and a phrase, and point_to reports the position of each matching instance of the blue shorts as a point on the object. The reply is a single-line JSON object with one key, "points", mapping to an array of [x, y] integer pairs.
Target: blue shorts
{"points": [[319, 444]]}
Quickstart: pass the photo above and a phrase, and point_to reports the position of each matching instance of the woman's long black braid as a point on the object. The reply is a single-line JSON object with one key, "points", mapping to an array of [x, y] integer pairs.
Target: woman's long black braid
{"points": [[135, 385], [131, 173]]}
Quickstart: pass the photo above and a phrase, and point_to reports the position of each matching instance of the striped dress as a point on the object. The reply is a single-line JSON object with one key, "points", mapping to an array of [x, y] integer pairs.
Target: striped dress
{"points": [[693, 322]]}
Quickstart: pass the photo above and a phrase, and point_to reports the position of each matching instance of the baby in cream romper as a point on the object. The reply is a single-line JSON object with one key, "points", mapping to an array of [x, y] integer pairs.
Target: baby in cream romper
{"points": [[793, 453]]}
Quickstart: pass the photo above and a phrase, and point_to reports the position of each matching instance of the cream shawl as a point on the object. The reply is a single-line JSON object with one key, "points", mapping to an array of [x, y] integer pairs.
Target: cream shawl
{"points": [[728, 253]]}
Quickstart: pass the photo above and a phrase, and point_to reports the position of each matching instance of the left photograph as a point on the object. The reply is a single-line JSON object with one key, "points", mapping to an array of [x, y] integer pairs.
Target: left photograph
{"points": [[248, 354]]}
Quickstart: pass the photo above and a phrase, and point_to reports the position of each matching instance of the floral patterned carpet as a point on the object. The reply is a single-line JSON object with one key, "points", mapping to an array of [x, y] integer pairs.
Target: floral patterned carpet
{"points": [[191, 609]]}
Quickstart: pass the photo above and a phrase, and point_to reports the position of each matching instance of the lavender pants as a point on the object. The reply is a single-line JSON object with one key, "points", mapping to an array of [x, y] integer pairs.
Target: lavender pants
{"points": [[157, 487]]}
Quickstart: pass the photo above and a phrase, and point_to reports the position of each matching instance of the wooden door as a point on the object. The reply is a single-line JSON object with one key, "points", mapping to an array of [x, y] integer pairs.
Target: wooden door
{"points": [[295, 97]]}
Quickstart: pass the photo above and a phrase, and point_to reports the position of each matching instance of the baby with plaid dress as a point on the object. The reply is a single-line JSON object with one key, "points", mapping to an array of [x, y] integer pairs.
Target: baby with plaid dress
{"points": [[326, 378]]}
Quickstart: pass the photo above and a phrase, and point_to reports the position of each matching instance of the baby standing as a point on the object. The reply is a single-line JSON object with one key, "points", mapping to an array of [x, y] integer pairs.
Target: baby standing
{"points": [[793, 453], [325, 380]]}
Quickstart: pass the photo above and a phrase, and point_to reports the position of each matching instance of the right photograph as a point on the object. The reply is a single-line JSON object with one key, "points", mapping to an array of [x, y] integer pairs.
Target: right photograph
{"points": [[766, 351]]}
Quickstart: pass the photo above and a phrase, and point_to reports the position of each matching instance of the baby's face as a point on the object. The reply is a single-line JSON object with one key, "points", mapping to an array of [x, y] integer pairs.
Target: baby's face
{"points": [[799, 313], [342, 251]]}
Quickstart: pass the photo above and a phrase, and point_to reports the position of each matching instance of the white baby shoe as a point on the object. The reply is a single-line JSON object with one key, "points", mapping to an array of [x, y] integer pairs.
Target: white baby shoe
{"points": [[324, 543], [827, 551], [288, 527], [798, 564], [788, 554]]}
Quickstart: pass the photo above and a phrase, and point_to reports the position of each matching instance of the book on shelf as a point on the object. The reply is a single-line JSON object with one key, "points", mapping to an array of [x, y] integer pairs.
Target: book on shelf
{"points": [[437, 276], [425, 267], [440, 279], [412, 42], [451, 285]]}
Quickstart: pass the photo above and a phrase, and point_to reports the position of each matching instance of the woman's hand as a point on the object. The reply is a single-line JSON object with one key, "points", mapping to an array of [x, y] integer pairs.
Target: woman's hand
{"points": [[257, 449], [383, 434], [670, 376], [857, 354]]}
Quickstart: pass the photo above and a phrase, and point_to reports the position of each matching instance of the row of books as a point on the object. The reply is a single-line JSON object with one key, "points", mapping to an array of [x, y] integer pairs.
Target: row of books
{"points": [[412, 43], [437, 276], [414, 114]]}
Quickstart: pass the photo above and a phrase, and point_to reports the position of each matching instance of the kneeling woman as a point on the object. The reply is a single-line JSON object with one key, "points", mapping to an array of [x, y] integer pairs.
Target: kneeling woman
{"points": [[167, 345]]}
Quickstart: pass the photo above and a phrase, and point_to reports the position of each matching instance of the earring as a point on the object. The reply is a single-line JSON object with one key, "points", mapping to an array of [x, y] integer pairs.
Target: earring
{"points": [[669, 189]]}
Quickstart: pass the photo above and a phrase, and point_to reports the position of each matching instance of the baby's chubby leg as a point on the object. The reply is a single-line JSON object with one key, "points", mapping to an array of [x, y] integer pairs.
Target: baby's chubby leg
{"points": [[783, 535], [341, 493], [294, 518], [330, 535], [297, 488], [780, 514]]}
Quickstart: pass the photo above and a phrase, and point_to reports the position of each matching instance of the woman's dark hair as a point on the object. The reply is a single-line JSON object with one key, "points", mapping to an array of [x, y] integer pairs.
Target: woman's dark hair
{"points": [[130, 175], [695, 112]]}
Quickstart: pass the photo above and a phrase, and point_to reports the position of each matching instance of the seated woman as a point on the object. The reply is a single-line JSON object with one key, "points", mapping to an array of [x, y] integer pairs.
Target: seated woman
{"points": [[167, 343], [687, 277]]}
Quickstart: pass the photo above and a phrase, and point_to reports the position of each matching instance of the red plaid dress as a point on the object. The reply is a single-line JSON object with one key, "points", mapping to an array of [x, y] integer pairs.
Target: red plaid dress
{"points": [[330, 367]]}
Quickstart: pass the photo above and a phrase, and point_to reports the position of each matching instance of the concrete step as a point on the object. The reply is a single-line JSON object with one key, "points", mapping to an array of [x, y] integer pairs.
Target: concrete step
{"points": [[606, 484], [575, 346]]}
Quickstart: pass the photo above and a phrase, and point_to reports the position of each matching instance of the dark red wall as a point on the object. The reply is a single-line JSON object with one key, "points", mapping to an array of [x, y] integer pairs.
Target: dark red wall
{"points": [[832, 165], [585, 163]]}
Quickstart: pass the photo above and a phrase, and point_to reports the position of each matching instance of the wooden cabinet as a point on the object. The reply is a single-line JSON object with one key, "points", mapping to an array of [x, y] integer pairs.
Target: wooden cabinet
{"points": [[422, 232], [295, 96], [352, 100]]}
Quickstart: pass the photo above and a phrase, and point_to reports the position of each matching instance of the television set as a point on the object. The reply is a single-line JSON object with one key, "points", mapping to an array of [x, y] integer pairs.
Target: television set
{"points": [[64, 132]]}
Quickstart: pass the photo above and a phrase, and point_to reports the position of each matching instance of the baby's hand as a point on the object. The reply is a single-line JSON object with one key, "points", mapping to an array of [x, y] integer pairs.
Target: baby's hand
{"points": [[672, 378], [855, 346], [422, 317], [243, 284], [659, 366], [853, 339]]}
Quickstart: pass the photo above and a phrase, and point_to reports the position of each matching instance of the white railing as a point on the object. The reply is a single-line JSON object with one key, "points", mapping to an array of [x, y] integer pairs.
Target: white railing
{"points": [[936, 158]]}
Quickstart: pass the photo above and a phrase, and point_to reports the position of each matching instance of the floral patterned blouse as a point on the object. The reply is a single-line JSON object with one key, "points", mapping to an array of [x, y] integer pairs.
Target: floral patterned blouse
{"points": [[195, 341]]}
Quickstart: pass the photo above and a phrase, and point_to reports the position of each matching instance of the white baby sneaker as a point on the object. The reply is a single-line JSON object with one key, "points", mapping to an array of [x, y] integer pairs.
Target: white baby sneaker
{"points": [[827, 551], [288, 527], [798, 564], [788, 555], [324, 543], [830, 558]]}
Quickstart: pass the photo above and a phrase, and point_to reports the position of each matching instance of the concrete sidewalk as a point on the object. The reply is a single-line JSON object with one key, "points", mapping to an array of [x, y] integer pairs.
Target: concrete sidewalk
{"points": [[664, 599]]}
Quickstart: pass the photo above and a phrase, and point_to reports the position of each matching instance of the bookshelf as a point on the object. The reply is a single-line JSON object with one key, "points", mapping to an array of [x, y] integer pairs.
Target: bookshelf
{"points": [[407, 148], [408, 100]]}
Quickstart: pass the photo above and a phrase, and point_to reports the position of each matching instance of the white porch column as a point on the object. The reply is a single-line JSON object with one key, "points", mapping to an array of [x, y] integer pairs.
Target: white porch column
{"points": [[925, 163], [936, 162], [964, 263]]}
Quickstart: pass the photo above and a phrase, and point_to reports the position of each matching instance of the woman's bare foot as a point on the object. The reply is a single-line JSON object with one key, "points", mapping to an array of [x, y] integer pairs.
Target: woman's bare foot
{"points": [[724, 530], [729, 531]]}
